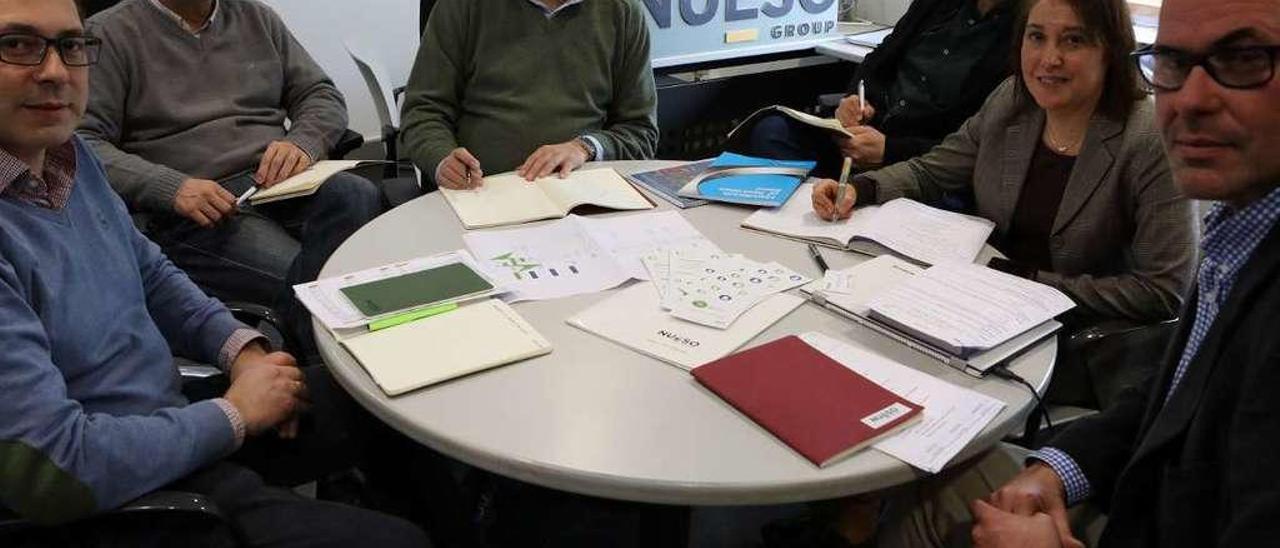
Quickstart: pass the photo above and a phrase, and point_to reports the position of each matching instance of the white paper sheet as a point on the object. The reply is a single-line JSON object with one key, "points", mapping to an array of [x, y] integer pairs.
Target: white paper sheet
{"points": [[953, 416], [633, 318], [579, 255], [547, 261], [629, 237]]}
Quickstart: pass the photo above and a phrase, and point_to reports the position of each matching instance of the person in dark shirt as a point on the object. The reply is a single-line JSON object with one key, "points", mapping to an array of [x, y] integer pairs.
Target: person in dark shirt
{"points": [[931, 74]]}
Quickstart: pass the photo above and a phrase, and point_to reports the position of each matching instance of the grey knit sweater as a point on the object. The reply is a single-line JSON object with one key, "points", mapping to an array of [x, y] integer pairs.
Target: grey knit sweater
{"points": [[166, 105]]}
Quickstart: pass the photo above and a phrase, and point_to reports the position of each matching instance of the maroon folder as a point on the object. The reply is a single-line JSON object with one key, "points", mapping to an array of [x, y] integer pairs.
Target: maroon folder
{"points": [[820, 408]]}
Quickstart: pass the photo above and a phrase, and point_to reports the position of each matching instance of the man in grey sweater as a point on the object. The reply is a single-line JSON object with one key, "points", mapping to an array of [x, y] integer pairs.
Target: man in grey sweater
{"points": [[190, 92]]}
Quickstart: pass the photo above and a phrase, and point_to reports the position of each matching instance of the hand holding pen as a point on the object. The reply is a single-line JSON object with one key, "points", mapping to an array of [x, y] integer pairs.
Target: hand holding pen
{"points": [[834, 200], [460, 170], [855, 110]]}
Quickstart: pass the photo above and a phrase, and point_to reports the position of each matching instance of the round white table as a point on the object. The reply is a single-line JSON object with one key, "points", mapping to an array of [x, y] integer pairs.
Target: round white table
{"points": [[599, 419]]}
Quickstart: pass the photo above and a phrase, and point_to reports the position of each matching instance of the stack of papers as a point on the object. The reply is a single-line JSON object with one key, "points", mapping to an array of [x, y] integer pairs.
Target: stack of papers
{"points": [[714, 289]]}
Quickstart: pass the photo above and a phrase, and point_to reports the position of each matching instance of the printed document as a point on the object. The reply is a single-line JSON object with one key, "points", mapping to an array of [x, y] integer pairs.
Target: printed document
{"points": [[577, 255], [953, 416]]}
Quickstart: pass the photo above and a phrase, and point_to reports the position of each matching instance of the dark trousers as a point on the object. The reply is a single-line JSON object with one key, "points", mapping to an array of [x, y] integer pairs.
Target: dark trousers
{"points": [[260, 253], [779, 137]]}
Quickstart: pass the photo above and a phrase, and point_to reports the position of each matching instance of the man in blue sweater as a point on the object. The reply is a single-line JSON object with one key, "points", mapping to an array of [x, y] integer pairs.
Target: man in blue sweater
{"points": [[90, 410]]}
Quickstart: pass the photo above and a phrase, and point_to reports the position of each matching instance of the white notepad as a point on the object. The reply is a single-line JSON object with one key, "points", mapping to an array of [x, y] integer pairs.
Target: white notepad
{"points": [[307, 182], [472, 338]]}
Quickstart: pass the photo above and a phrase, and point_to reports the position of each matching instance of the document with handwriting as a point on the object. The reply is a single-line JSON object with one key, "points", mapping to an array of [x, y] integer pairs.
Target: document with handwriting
{"points": [[906, 227]]}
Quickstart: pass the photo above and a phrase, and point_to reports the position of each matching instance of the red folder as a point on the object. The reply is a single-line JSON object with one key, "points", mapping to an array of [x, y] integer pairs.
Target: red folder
{"points": [[820, 408]]}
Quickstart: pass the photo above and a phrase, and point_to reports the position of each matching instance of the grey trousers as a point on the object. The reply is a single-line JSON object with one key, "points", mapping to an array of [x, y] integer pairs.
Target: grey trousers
{"points": [[935, 511]]}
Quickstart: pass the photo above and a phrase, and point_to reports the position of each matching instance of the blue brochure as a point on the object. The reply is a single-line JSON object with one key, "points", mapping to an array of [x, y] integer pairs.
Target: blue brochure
{"points": [[748, 180]]}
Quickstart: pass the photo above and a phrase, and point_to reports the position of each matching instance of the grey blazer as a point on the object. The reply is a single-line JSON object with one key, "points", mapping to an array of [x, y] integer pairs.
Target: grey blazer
{"points": [[1124, 241]]}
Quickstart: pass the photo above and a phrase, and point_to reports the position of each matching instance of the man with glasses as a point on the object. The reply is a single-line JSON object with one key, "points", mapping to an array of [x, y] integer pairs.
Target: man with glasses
{"points": [[1190, 457], [193, 102], [90, 412]]}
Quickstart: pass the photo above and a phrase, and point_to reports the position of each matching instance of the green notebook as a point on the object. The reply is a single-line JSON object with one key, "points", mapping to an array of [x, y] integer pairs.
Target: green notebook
{"points": [[425, 287]]}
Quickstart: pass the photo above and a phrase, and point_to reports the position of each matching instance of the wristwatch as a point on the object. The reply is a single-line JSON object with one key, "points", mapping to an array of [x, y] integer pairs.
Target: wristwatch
{"points": [[586, 147]]}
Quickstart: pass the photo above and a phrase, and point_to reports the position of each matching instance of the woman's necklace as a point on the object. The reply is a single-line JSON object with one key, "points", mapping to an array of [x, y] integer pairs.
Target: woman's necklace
{"points": [[1061, 146]]}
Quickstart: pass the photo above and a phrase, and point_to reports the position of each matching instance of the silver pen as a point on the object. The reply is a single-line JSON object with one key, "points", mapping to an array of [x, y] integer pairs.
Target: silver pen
{"points": [[844, 181], [247, 194]]}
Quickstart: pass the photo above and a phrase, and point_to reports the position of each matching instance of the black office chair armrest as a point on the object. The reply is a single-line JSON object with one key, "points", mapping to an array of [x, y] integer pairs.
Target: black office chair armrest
{"points": [[1100, 331], [156, 502], [254, 315], [346, 144]]}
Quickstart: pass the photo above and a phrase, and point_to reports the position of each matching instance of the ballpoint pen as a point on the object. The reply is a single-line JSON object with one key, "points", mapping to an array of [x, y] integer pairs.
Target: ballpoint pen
{"points": [[844, 181], [862, 98], [817, 258]]}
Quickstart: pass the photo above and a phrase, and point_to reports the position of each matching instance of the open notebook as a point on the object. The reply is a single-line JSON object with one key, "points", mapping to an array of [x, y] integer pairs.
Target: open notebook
{"points": [[509, 199], [829, 124], [307, 182], [472, 338], [906, 227]]}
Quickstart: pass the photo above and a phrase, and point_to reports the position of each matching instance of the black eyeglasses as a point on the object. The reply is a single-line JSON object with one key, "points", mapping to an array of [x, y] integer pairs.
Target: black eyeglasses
{"points": [[20, 48], [1243, 67]]}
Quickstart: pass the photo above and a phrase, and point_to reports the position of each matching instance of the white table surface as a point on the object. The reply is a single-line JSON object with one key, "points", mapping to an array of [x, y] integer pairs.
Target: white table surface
{"points": [[597, 418]]}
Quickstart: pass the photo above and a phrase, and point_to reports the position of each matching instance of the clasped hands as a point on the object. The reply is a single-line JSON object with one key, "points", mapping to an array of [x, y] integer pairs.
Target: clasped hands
{"points": [[268, 390], [460, 170], [1028, 512], [205, 201]]}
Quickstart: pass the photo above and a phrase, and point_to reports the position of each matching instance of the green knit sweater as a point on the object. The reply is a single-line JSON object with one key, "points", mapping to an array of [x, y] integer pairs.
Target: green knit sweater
{"points": [[501, 78]]}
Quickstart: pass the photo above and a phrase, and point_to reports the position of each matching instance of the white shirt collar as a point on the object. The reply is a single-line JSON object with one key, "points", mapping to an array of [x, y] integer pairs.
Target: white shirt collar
{"points": [[547, 10], [197, 31]]}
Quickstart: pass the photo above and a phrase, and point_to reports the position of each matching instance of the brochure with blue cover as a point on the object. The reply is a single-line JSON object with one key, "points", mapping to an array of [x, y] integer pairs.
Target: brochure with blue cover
{"points": [[740, 179]]}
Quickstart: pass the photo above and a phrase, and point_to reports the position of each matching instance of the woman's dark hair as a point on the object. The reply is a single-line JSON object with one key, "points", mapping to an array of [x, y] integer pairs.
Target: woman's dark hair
{"points": [[1107, 25]]}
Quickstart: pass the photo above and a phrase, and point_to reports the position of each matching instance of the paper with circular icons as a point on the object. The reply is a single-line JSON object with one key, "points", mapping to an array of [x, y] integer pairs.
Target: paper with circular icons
{"points": [[715, 289]]}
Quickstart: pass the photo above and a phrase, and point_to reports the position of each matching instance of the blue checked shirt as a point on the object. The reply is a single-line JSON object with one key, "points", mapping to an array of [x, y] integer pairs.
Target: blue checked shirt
{"points": [[1230, 239]]}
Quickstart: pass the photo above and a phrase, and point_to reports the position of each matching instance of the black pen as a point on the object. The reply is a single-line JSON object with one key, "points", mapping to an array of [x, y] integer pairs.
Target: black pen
{"points": [[817, 258]]}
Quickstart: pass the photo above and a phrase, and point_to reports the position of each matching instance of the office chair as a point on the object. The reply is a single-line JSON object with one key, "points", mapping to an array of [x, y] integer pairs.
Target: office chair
{"points": [[1140, 341], [397, 188]]}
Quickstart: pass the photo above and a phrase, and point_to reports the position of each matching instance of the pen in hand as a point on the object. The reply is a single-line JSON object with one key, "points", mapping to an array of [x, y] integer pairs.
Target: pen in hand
{"points": [[862, 99], [247, 194], [844, 181]]}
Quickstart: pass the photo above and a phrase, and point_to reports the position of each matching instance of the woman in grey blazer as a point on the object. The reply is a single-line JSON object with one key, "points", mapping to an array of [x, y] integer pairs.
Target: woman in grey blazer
{"points": [[1064, 158]]}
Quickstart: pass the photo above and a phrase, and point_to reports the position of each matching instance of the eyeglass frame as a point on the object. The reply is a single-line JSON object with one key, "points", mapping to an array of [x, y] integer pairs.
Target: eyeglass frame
{"points": [[92, 44], [1202, 60]]}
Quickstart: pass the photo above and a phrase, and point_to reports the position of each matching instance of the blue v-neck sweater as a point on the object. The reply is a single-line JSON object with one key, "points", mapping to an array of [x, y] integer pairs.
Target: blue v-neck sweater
{"points": [[91, 314]]}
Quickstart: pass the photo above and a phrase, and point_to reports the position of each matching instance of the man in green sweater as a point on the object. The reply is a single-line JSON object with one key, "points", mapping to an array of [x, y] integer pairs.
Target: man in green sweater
{"points": [[538, 86]]}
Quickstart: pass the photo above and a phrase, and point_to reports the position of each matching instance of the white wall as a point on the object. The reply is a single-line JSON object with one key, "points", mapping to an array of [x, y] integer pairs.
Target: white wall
{"points": [[389, 28], [886, 12]]}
